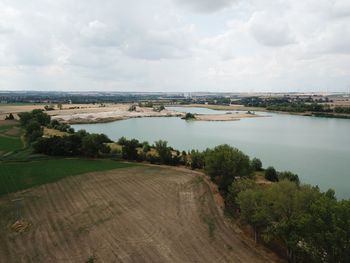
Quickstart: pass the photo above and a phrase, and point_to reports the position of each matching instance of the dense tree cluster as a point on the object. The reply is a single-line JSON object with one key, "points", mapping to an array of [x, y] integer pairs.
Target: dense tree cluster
{"points": [[33, 122], [38, 116], [76, 144], [159, 153], [312, 226], [342, 110], [298, 105], [80, 143]]}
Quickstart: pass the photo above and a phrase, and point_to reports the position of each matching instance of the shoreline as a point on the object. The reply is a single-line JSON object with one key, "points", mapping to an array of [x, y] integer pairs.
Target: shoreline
{"points": [[258, 109]]}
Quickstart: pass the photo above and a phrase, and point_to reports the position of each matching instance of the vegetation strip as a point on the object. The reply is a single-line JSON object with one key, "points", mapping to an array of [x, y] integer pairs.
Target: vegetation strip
{"points": [[15, 177]]}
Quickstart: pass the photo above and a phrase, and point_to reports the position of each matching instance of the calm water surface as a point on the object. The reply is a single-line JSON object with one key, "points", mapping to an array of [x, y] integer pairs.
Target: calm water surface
{"points": [[318, 149]]}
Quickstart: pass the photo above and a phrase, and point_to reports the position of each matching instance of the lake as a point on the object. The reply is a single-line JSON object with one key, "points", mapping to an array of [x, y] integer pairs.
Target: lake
{"points": [[317, 149]]}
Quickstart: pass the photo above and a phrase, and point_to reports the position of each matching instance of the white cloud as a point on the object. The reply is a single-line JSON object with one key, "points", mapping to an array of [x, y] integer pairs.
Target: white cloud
{"points": [[167, 45], [269, 30], [206, 6]]}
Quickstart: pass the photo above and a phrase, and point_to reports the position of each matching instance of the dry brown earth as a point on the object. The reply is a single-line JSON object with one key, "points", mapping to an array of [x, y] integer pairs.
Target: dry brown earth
{"points": [[139, 214]]}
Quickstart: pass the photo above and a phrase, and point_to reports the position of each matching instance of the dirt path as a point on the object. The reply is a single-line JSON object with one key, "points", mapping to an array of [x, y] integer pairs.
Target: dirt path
{"points": [[141, 214]]}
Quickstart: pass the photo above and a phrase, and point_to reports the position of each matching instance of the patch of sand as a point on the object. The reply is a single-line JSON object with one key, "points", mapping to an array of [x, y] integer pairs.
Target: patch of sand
{"points": [[225, 117], [90, 113]]}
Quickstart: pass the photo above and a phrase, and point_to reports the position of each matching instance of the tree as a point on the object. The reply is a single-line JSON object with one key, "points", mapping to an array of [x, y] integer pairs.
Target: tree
{"points": [[238, 186], [224, 163], [288, 176], [38, 115], [122, 141], [255, 210], [129, 149], [271, 174], [33, 131], [196, 159], [146, 147], [163, 151], [10, 117], [94, 144], [189, 116], [24, 118], [256, 164]]}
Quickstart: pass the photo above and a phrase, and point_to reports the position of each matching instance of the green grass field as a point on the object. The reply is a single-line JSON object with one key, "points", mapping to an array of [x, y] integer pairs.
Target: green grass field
{"points": [[8, 144], [10, 139], [22, 175]]}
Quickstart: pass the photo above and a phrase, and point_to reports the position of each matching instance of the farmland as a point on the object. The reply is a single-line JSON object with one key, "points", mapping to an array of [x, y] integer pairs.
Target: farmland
{"points": [[16, 176], [10, 140], [134, 214]]}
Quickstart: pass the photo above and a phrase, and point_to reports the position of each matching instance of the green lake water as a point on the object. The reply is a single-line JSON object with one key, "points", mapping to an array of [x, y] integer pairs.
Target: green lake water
{"points": [[317, 149]]}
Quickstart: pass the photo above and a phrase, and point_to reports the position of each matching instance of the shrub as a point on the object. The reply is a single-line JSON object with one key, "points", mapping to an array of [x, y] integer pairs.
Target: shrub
{"points": [[271, 174], [10, 117], [256, 164]]}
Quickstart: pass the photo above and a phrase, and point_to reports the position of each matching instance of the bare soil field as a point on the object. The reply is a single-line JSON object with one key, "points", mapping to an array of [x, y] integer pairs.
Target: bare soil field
{"points": [[138, 214]]}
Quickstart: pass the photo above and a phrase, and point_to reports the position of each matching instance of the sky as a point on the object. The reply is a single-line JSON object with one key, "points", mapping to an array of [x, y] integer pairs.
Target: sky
{"points": [[175, 45]]}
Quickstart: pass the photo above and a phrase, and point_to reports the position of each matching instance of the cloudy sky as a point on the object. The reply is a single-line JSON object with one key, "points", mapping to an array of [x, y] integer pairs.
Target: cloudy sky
{"points": [[175, 45]]}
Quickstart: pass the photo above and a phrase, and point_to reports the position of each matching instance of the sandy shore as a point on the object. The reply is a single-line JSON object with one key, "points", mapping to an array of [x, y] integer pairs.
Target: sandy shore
{"points": [[119, 113], [90, 113], [224, 117]]}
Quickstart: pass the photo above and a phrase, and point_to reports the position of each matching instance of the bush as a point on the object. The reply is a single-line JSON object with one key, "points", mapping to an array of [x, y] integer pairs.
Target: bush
{"points": [[164, 151], [129, 150], [271, 174], [122, 141], [94, 144], [288, 176], [10, 117], [196, 159], [189, 116], [132, 108], [33, 131], [146, 147], [256, 164], [80, 143]]}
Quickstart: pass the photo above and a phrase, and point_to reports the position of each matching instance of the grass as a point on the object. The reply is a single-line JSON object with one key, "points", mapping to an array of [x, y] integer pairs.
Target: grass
{"points": [[19, 176], [53, 132], [211, 226], [8, 144]]}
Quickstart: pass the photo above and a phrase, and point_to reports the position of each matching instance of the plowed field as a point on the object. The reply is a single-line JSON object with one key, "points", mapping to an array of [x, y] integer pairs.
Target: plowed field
{"points": [[138, 214]]}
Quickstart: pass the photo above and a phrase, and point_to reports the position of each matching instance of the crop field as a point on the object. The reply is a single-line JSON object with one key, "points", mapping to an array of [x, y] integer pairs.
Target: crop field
{"points": [[134, 214], [15, 176]]}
